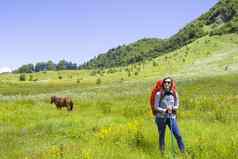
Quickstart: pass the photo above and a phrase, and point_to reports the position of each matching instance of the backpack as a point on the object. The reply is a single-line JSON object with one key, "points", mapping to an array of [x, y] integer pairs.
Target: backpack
{"points": [[159, 87]]}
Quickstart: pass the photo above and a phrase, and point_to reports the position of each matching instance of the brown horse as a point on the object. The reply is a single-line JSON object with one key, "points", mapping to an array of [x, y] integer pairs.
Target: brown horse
{"points": [[62, 102]]}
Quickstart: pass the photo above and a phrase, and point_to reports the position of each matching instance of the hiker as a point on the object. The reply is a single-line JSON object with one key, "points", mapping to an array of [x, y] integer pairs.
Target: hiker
{"points": [[166, 104]]}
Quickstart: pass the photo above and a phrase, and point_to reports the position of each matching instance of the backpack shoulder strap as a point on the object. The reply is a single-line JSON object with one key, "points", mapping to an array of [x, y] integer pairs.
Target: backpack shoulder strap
{"points": [[162, 94], [174, 92]]}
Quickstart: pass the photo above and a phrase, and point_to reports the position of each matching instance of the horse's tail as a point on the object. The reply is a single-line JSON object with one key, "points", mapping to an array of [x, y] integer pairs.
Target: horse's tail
{"points": [[71, 104]]}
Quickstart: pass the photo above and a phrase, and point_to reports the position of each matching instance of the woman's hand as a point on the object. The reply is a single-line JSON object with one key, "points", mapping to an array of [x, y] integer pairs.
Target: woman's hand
{"points": [[169, 109]]}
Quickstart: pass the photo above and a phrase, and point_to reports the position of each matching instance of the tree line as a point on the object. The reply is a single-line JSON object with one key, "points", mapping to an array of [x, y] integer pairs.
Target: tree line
{"points": [[47, 66]]}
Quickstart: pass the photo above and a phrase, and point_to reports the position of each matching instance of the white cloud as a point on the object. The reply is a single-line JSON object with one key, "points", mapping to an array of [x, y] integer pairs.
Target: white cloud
{"points": [[5, 69]]}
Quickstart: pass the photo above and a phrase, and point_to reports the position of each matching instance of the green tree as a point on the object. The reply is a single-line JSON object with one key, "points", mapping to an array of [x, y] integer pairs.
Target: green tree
{"points": [[29, 68], [51, 65], [61, 65]]}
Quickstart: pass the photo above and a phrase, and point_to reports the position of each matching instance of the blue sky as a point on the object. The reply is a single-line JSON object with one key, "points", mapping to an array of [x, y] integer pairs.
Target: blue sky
{"points": [[77, 30]]}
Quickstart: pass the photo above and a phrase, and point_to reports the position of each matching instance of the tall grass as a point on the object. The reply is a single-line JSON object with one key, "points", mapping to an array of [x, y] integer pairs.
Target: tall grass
{"points": [[114, 121]]}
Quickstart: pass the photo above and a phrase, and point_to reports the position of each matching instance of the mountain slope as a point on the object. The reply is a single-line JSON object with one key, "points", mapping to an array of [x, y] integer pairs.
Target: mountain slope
{"points": [[126, 54], [220, 19], [207, 56]]}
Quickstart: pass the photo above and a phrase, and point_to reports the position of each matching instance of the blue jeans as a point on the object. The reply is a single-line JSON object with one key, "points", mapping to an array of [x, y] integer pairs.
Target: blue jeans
{"points": [[161, 124]]}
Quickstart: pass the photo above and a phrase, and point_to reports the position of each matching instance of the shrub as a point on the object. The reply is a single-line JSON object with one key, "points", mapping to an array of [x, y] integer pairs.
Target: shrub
{"points": [[31, 78], [154, 63], [98, 81], [78, 81], [93, 73], [129, 74], [36, 79], [22, 77], [226, 68]]}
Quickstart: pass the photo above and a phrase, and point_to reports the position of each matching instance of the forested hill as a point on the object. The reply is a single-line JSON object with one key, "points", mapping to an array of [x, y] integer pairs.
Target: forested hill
{"points": [[220, 19]]}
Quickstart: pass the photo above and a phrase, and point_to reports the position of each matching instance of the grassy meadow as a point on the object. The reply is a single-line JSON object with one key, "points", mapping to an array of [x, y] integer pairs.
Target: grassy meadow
{"points": [[112, 118]]}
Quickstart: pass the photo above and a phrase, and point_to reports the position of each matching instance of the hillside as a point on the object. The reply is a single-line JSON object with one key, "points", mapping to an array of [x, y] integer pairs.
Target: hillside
{"points": [[115, 114], [209, 55], [220, 19]]}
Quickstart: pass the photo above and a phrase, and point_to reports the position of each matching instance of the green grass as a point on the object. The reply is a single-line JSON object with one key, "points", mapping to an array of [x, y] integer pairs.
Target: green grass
{"points": [[119, 120], [113, 119]]}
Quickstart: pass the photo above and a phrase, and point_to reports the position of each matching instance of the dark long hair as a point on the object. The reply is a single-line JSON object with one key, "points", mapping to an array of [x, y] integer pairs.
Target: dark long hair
{"points": [[170, 80]]}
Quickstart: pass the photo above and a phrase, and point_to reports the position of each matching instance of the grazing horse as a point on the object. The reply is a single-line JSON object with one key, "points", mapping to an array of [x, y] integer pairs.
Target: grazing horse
{"points": [[62, 102]]}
